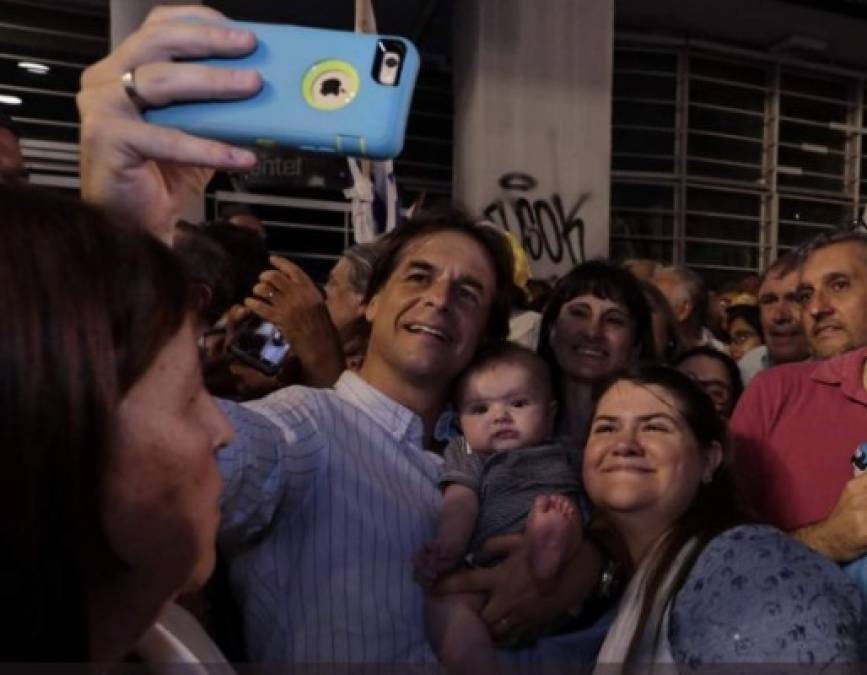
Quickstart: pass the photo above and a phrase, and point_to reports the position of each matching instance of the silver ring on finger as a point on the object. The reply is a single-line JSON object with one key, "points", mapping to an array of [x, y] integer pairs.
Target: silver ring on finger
{"points": [[128, 81]]}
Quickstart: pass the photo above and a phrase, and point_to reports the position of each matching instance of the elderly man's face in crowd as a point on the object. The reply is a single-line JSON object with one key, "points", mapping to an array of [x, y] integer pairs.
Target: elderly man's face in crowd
{"points": [[833, 293], [344, 303], [428, 318], [673, 291], [781, 318], [592, 337]]}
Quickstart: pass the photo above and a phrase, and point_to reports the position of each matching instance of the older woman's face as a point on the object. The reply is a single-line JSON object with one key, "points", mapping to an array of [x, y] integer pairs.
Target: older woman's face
{"points": [[163, 487], [712, 376], [642, 461], [743, 338], [592, 337]]}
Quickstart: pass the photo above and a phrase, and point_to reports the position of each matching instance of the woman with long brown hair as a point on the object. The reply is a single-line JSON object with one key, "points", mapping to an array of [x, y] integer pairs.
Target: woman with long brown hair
{"points": [[708, 587]]}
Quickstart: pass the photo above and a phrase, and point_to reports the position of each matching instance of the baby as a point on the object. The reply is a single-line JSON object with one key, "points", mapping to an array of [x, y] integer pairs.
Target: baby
{"points": [[504, 475]]}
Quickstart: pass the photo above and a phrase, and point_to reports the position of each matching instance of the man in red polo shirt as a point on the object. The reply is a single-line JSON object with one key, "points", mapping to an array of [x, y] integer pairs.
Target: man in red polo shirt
{"points": [[797, 425]]}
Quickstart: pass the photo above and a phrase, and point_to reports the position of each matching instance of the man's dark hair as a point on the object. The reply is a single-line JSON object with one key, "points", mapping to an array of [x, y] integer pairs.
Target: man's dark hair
{"points": [[832, 238], [247, 252], [785, 264], [209, 264], [452, 220]]}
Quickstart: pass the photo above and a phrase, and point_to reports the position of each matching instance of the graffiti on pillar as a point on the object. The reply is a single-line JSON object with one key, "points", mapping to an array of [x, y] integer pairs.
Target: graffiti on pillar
{"points": [[545, 228]]}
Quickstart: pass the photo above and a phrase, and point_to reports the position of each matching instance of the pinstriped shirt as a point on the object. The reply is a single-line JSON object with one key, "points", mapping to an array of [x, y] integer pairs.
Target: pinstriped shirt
{"points": [[329, 494]]}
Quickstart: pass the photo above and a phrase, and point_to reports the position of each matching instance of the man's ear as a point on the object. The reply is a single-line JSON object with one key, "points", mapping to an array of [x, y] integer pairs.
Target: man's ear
{"points": [[361, 311], [683, 310], [202, 295]]}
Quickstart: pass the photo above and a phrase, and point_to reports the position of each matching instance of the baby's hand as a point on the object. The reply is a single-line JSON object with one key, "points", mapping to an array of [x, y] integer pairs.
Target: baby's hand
{"points": [[432, 561]]}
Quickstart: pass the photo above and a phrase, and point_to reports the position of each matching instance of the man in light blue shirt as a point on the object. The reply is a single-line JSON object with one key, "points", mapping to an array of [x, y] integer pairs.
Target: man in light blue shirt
{"points": [[329, 493]]}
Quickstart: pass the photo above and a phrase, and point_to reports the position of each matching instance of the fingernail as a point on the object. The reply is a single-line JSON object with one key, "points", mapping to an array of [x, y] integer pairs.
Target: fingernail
{"points": [[242, 157], [238, 35], [244, 78]]}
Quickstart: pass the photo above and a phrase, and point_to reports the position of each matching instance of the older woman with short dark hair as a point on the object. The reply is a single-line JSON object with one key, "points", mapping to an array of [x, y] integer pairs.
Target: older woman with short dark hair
{"points": [[110, 485], [597, 322]]}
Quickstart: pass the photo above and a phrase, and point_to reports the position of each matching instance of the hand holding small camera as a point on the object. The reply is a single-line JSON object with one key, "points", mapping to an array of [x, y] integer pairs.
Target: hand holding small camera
{"points": [[290, 300]]}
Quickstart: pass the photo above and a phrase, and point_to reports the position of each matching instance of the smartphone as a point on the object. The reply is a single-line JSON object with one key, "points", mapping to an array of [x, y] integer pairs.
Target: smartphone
{"points": [[323, 91], [259, 344], [859, 460]]}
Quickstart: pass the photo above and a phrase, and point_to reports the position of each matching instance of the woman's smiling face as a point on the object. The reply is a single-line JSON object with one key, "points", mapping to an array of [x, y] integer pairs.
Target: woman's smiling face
{"points": [[592, 337], [642, 461]]}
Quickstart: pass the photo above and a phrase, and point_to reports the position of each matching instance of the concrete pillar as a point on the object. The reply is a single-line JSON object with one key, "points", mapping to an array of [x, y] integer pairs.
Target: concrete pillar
{"points": [[127, 15], [533, 123]]}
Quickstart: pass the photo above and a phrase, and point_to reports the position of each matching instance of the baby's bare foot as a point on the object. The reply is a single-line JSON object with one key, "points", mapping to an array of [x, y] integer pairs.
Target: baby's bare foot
{"points": [[554, 532]]}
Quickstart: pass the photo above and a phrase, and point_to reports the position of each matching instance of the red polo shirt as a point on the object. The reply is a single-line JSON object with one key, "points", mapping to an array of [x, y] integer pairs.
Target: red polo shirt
{"points": [[795, 428]]}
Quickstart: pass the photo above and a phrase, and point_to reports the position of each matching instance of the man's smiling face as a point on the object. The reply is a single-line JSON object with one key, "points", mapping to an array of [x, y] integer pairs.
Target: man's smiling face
{"points": [[428, 318]]}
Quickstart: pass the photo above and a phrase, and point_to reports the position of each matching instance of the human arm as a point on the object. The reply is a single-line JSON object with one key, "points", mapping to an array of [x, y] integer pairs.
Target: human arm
{"points": [[297, 308], [457, 520], [517, 604], [271, 463], [756, 595], [141, 172], [842, 536]]}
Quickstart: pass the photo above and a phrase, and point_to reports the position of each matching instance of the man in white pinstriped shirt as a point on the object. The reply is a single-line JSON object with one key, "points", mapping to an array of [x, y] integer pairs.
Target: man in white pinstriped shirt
{"points": [[330, 492]]}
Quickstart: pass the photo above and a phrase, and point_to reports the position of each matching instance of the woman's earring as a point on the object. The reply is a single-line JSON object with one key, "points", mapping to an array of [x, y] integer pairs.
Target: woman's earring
{"points": [[708, 476]]}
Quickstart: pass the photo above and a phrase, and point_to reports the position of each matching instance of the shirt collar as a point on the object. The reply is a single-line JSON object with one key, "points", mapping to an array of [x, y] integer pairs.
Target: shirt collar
{"points": [[845, 371], [397, 420]]}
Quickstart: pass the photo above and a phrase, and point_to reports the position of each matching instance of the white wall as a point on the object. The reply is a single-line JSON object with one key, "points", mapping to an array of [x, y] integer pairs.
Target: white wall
{"points": [[533, 123]]}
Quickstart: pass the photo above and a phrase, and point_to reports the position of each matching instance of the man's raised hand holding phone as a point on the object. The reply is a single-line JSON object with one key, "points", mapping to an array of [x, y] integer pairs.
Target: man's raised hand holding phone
{"points": [[138, 171]]}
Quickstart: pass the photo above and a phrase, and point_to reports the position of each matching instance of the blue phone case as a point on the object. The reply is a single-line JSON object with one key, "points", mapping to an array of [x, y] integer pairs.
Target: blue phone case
{"points": [[319, 94]]}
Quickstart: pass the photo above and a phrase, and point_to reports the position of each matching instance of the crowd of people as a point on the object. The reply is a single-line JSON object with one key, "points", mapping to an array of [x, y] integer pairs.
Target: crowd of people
{"points": [[656, 474]]}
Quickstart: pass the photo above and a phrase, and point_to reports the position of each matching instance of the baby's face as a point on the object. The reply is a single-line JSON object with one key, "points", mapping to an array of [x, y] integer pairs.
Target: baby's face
{"points": [[504, 408]]}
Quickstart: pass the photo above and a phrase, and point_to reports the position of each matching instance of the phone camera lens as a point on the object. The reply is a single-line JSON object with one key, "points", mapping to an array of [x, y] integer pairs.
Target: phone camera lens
{"points": [[389, 69]]}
